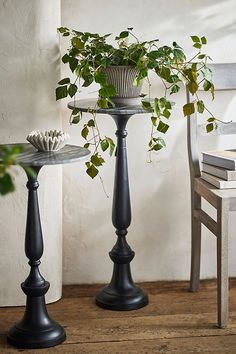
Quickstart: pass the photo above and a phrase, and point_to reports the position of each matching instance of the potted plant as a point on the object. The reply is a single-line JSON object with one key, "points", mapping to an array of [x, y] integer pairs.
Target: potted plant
{"points": [[120, 69]]}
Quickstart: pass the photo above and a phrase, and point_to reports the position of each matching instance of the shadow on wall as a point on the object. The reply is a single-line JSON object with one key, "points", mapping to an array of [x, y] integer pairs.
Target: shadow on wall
{"points": [[185, 16], [163, 18]]}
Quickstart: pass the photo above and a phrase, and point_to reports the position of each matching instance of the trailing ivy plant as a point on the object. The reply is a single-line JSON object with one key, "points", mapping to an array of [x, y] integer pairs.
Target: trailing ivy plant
{"points": [[90, 53], [8, 157]]}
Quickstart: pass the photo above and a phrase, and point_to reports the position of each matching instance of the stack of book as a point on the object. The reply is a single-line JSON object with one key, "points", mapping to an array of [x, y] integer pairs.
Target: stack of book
{"points": [[219, 168]]}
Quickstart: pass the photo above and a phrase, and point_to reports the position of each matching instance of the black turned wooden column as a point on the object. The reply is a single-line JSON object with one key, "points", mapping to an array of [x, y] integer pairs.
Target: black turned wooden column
{"points": [[121, 294], [36, 329]]}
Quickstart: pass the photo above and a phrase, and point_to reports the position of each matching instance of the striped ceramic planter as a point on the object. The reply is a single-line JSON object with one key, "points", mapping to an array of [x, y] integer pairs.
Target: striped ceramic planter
{"points": [[122, 78]]}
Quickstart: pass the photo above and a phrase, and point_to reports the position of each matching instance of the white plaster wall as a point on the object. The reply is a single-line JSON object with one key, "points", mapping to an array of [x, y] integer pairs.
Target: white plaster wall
{"points": [[29, 71], [160, 230]]}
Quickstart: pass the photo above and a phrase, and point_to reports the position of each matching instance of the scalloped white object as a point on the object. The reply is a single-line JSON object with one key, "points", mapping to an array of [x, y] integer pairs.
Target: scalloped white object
{"points": [[52, 140]]}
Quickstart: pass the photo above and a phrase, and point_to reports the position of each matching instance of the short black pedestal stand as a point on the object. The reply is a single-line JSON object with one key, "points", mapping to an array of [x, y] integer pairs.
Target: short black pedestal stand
{"points": [[121, 294], [36, 329]]}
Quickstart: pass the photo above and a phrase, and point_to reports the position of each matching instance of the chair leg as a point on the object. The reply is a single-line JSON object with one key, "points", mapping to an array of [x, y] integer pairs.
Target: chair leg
{"points": [[222, 265], [195, 246]]}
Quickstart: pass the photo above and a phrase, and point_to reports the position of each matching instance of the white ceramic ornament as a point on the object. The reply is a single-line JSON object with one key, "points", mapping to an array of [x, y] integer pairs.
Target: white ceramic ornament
{"points": [[52, 140]]}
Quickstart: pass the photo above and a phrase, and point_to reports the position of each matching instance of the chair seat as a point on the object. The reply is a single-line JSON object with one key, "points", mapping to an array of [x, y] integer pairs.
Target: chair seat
{"points": [[212, 194]]}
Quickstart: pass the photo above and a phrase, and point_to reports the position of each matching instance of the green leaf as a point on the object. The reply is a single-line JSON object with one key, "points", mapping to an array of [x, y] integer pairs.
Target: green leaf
{"points": [[88, 80], [104, 144], [154, 121], [6, 184], [100, 77], [162, 127], [147, 105], [107, 35], [174, 89], [64, 81], [166, 113], [179, 55], [73, 62], [154, 54], [203, 40], [209, 127], [211, 119], [92, 171], [2, 168], [97, 160], [197, 45], [201, 56], [107, 91], [75, 111], [91, 123], [195, 39], [105, 62], [212, 91], [207, 85], [124, 34], [76, 119], [77, 43], [165, 73], [152, 64], [84, 132], [72, 90], [112, 145], [86, 146], [156, 107], [194, 69], [157, 147], [62, 29], [193, 87], [164, 103], [61, 92], [174, 78], [142, 74], [65, 59], [200, 106], [188, 109], [102, 103], [78, 33]]}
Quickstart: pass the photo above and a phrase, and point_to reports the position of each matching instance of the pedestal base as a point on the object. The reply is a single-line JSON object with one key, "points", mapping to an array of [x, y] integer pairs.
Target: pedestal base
{"points": [[22, 337], [111, 299]]}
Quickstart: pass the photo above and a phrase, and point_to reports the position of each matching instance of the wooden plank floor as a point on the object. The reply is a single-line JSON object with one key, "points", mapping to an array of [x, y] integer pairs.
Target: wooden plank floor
{"points": [[175, 321]]}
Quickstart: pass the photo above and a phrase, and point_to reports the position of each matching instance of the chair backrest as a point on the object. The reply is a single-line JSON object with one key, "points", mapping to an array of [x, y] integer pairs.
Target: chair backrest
{"points": [[224, 78]]}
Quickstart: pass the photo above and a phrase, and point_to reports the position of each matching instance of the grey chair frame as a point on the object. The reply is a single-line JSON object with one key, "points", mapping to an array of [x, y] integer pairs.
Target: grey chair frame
{"points": [[224, 201]]}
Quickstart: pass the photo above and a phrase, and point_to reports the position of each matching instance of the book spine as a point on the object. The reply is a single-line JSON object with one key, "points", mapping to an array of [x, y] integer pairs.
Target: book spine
{"points": [[213, 170], [210, 180], [217, 182], [218, 161]]}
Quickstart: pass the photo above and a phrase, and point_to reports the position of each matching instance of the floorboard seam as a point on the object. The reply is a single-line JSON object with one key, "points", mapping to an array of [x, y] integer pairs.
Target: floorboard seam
{"points": [[148, 339]]}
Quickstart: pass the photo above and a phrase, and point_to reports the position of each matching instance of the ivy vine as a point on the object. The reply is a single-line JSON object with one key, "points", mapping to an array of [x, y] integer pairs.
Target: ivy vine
{"points": [[88, 55]]}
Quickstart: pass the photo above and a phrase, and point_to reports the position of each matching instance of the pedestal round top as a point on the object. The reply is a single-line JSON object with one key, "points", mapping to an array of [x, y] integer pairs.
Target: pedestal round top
{"points": [[88, 105], [31, 157]]}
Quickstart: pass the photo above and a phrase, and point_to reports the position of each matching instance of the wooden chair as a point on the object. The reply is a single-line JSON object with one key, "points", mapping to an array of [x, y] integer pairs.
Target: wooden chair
{"points": [[224, 77]]}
